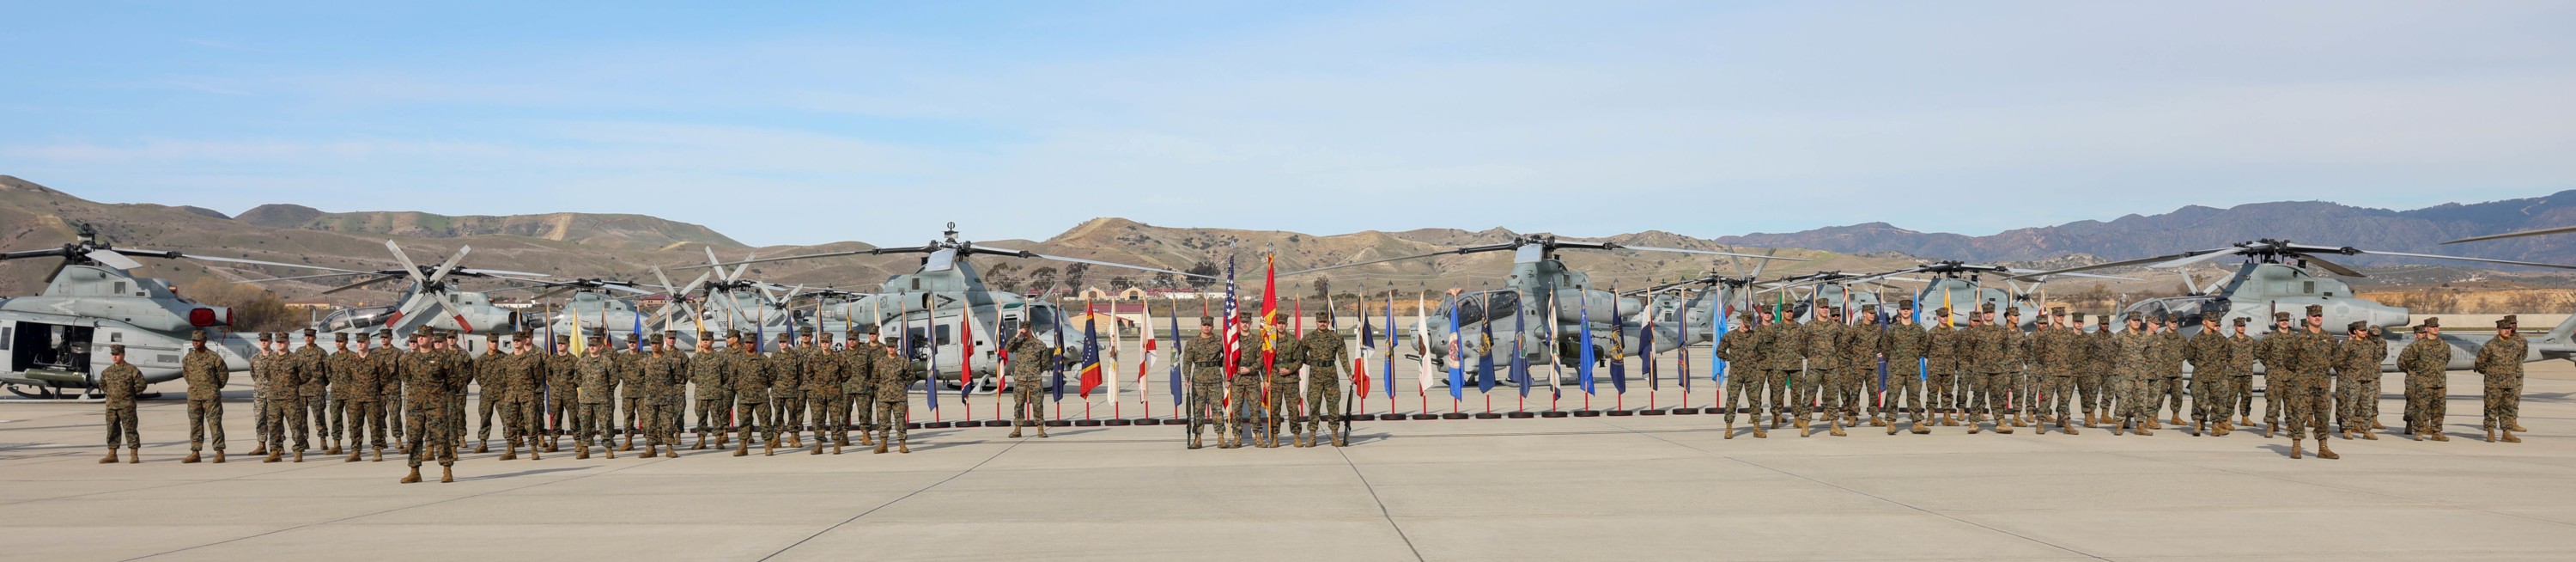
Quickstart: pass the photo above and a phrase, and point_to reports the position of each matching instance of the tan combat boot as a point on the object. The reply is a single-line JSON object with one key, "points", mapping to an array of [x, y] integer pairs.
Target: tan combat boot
{"points": [[219, 457], [607, 451], [414, 477], [299, 456], [1801, 425], [446, 474], [1879, 422], [1042, 431], [2368, 435], [1015, 432], [2438, 436], [818, 447], [1836, 429], [769, 449], [904, 446], [2490, 435], [111, 456], [1730, 430], [1891, 428], [1973, 428], [482, 446], [2005, 429], [649, 451], [2414, 435], [2142, 430], [272, 457], [881, 446], [2294, 447], [581, 451], [353, 455], [2509, 438], [1948, 421], [1758, 432], [133, 456], [1921, 429], [2374, 424], [2324, 452]]}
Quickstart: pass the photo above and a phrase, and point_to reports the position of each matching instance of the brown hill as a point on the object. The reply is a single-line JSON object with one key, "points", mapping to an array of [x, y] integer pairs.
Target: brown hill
{"points": [[608, 230]]}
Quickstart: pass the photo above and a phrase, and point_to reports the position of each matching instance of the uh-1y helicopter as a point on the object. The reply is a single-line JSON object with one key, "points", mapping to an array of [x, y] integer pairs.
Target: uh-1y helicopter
{"points": [[432, 301], [932, 304], [593, 304], [1545, 296], [2281, 276], [55, 342]]}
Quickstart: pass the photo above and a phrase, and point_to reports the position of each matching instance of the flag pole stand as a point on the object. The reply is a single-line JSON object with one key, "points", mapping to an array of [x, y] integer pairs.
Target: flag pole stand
{"points": [[1453, 414], [1425, 414], [1552, 412], [1621, 406], [1489, 410], [1086, 420], [1059, 420], [1587, 411], [1650, 405], [1521, 412], [1116, 417], [1685, 409]]}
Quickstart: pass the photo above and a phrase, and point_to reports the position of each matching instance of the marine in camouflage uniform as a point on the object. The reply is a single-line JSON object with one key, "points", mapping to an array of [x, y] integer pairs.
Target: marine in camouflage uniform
{"points": [[1994, 362], [489, 392], [2427, 387], [389, 385], [336, 394], [1029, 359], [665, 378], [1905, 346], [563, 392], [751, 397], [2208, 352], [598, 388], [861, 384], [521, 373], [1820, 343], [264, 379], [787, 389], [626, 374], [2171, 351], [285, 405], [426, 375], [1947, 345], [346, 369], [1249, 383], [1205, 358], [1743, 350], [2094, 383], [2357, 382], [2275, 368], [823, 377], [366, 398], [2131, 366], [121, 383], [1322, 351], [2015, 383], [1860, 372], [312, 393], [1282, 402], [894, 373], [2308, 353], [709, 372], [2500, 361], [2057, 354]]}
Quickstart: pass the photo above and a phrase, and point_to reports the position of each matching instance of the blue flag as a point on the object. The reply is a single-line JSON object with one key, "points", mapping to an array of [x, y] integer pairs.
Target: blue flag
{"points": [[1485, 353], [1646, 352], [1618, 335], [1055, 360], [1718, 325], [1520, 362], [1583, 366], [1457, 352], [931, 358], [1389, 371], [1923, 366], [1681, 343], [1177, 344]]}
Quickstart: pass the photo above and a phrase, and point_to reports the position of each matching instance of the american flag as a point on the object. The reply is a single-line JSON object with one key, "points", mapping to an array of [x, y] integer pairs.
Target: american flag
{"points": [[1233, 330]]}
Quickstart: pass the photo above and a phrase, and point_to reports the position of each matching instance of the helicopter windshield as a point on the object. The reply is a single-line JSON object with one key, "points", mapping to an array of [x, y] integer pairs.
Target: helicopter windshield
{"points": [[1487, 306], [1042, 317]]}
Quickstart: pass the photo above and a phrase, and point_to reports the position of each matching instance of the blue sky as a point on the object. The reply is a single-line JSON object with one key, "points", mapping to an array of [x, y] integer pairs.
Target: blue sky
{"points": [[796, 124]]}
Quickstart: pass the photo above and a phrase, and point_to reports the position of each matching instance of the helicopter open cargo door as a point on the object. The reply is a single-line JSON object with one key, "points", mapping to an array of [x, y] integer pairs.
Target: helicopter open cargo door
{"points": [[47, 352]]}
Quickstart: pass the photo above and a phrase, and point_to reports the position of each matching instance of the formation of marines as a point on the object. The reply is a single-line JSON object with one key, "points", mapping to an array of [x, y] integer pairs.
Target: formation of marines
{"points": [[364, 399], [1993, 377]]}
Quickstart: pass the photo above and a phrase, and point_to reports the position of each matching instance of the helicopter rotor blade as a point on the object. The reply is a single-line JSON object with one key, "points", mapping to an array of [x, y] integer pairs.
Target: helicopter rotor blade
{"points": [[2122, 263], [2463, 258], [450, 265], [2338, 269], [302, 277], [170, 254], [1683, 251], [498, 273], [2517, 234], [414, 268], [377, 279], [2200, 258], [1765, 262]]}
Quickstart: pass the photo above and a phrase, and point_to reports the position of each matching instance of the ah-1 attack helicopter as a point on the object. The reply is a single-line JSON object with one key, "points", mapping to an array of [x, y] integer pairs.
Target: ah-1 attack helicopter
{"points": [[930, 304], [1546, 297], [2279, 276], [56, 340]]}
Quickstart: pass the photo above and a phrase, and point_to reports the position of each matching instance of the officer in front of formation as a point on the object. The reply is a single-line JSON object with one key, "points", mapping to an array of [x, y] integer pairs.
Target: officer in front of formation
{"points": [[122, 384]]}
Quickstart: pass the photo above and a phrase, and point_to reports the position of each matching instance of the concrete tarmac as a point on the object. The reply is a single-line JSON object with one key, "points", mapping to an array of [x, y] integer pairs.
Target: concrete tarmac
{"points": [[1600, 488]]}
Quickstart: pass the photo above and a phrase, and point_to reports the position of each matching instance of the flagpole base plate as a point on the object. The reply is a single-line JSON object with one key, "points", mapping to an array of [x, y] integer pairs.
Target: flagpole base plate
{"points": [[1117, 423], [1426, 416], [1685, 411], [1489, 416], [1650, 412], [1059, 423], [1086, 423], [1149, 421], [1390, 417], [1713, 410], [1587, 413], [937, 425], [913, 425], [997, 423], [1454, 416], [1620, 413], [1551, 414], [1520, 415], [1358, 417]]}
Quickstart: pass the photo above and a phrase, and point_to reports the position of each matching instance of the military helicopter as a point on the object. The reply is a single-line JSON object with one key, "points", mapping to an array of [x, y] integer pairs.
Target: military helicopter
{"points": [[1548, 298], [932, 303], [55, 342], [723, 300], [593, 305], [2281, 276], [433, 300], [1965, 296]]}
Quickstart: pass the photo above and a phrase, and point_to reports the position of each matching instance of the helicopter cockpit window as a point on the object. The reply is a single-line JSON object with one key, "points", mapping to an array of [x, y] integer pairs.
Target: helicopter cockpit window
{"points": [[1470, 308], [1499, 304], [1041, 317]]}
